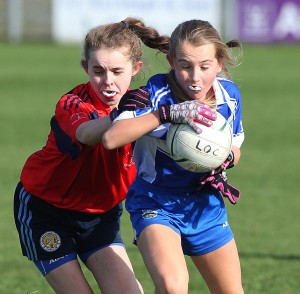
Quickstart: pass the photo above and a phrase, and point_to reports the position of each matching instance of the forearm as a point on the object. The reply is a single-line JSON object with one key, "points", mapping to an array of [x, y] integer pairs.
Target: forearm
{"points": [[237, 154], [90, 132], [129, 130], [125, 131]]}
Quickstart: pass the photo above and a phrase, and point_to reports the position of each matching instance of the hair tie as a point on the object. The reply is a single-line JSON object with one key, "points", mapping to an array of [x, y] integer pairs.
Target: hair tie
{"points": [[125, 23]]}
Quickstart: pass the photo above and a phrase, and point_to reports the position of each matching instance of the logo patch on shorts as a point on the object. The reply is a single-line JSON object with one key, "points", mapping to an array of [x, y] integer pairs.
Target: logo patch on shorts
{"points": [[149, 214], [50, 241]]}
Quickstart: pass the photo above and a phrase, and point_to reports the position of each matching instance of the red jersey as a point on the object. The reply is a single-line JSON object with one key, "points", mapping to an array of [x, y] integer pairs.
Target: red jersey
{"points": [[72, 175]]}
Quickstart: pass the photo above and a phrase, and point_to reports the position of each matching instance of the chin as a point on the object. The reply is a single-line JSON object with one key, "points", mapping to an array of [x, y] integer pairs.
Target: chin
{"points": [[113, 102], [192, 96], [198, 96]]}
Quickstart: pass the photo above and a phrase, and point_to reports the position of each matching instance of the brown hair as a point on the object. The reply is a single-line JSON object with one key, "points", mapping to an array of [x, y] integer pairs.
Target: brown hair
{"points": [[127, 33]]}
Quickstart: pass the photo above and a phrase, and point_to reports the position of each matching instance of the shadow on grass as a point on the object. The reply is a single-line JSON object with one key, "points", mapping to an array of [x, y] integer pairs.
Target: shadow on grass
{"points": [[269, 255]]}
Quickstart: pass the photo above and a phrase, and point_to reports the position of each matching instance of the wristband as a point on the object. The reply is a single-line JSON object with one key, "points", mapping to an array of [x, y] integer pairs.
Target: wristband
{"points": [[231, 159], [164, 113]]}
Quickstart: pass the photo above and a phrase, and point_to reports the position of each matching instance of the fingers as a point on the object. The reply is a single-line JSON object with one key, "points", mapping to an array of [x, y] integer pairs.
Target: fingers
{"points": [[219, 182], [203, 120], [196, 127], [204, 114], [233, 196], [135, 99], [131, 107], [135, 104], [208, 114], [145, 93], [190, 112], [206, 111], [141, 93], [140, 97]]}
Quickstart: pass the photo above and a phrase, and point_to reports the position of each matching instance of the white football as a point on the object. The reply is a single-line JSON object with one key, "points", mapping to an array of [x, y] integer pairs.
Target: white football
{"points": [[200, 152]]}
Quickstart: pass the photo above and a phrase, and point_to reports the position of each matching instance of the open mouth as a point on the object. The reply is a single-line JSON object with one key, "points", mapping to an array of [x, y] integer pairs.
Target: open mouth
{"points": [[195, 88], [109, 93]]}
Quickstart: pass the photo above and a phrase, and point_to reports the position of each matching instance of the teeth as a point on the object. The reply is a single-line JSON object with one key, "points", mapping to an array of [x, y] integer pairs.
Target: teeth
{"points": [[109, 94], [196, 88]]}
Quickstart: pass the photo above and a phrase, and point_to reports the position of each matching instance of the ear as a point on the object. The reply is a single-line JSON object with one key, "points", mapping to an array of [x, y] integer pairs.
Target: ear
{"points": [[137, 67], [220, 66], [84, 64], [171, 61]]}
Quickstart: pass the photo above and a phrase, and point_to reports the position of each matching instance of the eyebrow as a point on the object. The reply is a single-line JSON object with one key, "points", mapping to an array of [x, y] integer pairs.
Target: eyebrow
{"points": [[207, 60], [186, 60], [114, 68]]}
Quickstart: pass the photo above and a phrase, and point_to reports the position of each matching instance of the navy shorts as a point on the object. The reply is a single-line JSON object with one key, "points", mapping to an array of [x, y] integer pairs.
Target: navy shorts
{"points": [[48, 233]]}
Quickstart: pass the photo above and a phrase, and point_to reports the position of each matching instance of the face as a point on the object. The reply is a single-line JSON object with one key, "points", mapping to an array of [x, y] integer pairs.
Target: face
{"points": [[110, 73], [196, 68]]}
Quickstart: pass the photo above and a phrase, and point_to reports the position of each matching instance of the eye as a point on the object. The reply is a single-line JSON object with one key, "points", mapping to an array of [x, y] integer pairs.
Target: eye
{"points": [[204, 67], [184, 66], [98, 71], [118, 72]]}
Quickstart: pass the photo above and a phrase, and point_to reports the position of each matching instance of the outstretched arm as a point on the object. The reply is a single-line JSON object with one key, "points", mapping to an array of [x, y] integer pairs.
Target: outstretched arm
{"points": [[90, 132], [125, 131]]}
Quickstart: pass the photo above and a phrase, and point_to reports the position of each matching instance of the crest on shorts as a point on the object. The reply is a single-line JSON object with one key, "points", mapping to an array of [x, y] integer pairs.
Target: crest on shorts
{"points": [[50, 241], [149, 214]]}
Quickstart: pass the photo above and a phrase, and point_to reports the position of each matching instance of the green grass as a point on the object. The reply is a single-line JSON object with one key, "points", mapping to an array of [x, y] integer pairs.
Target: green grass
{"points": [[265, 221]]}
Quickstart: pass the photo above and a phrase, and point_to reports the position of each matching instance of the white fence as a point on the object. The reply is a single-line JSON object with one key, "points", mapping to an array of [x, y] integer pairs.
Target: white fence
{"points": [[69, 20]]}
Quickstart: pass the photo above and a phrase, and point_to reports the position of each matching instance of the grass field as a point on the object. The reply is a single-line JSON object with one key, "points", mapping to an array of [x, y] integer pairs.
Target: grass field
{"points": [[265, 221]]}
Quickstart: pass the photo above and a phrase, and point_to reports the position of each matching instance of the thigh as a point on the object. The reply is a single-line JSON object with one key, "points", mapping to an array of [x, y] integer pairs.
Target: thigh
{"points": [[42, 235], [161, 249], [68, 278], [98, 232], [113, 271], [221, 269]]}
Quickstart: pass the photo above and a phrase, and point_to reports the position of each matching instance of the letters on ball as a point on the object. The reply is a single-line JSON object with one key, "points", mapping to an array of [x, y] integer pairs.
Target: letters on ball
{"points": [[200, 152]]}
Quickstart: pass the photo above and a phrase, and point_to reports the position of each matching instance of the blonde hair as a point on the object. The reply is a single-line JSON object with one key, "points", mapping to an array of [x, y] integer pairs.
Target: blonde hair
{"points": [[198, 33]]}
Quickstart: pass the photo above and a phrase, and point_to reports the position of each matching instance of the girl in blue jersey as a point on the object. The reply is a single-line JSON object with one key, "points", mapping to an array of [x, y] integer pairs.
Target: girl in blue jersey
{"points": [[176, 212]]}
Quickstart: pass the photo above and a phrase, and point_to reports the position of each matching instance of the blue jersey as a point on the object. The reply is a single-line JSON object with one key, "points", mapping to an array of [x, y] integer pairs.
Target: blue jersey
{"points": [[154, 163]]}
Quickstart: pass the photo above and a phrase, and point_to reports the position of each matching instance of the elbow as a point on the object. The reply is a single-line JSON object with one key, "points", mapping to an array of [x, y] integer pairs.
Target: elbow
{"points": [[85, 138], [81, 136], [108, 142]]}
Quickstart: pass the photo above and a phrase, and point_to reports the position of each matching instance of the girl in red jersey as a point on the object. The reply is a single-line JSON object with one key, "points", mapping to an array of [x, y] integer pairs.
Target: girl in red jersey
{"points": [[68, 201]]}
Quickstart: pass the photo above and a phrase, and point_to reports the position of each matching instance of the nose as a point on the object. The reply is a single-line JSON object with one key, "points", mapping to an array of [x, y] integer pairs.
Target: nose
{"points": [[108, 79], [195, 75]]}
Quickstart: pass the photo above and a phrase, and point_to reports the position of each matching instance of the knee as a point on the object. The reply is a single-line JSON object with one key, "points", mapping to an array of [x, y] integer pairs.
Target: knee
{"points": [[234, 289], [172, 286]]}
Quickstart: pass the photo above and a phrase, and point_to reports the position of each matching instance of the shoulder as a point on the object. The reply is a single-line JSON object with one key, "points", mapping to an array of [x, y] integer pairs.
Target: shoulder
{"points": [[157, 83], [158, 79], [74, 98], [231, 88], [159, 90]]}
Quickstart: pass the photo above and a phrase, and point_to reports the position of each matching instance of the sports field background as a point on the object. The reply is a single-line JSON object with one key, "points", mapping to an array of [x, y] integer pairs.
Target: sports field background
{"points": [[266, 219]]}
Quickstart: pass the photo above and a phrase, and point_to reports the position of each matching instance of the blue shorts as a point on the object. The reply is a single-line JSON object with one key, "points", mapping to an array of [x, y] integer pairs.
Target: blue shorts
{"points": [[200, 218], [49, 234]]}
